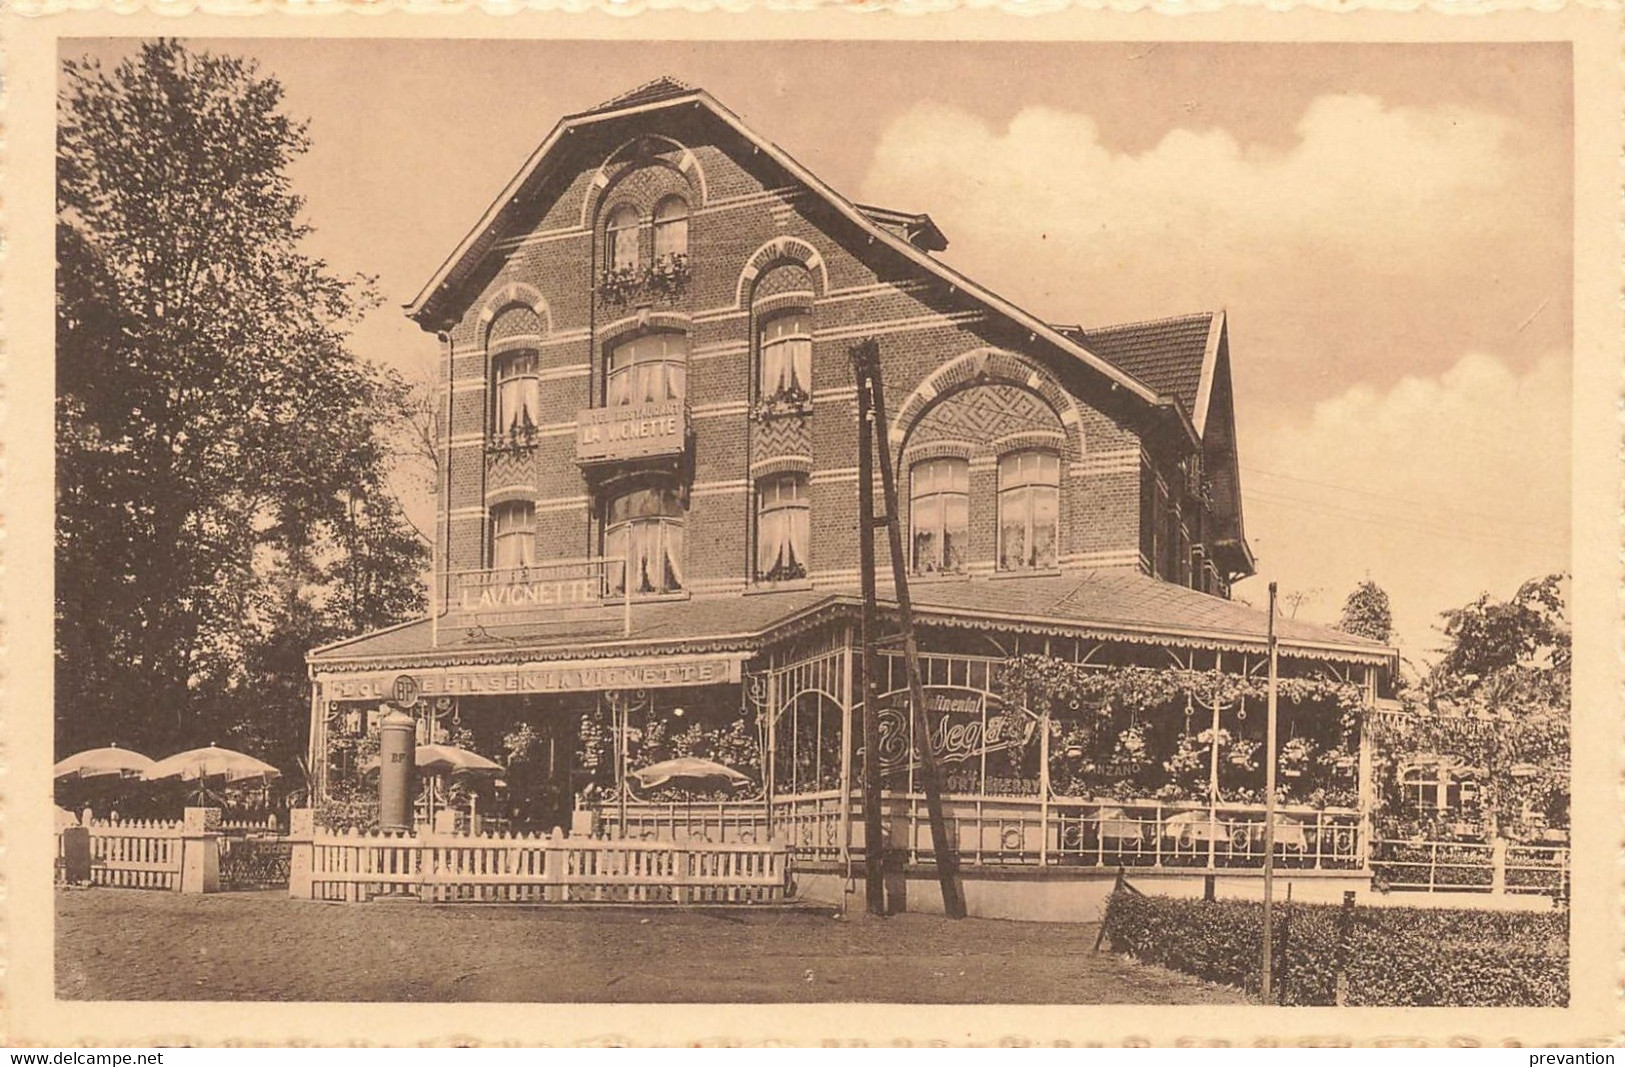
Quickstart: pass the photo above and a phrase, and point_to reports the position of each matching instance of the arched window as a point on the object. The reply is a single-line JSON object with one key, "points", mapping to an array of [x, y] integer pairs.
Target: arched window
{"points": [[644, 527], [621, 238], [783, 528], [1029, 508], [786, 354], [671, 229], [939, 514], [513, 535], [648, 369], [517, 401]]}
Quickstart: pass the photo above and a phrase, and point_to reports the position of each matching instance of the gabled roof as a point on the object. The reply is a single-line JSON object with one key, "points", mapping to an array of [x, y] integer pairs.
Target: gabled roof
{"points": [[1175, 357], [661, 88], [1111, 604], [668, 93]]}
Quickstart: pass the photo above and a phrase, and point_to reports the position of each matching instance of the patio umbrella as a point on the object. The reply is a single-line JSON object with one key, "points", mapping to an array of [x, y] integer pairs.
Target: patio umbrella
{"points": [[200, 764], [65, 819], [449, 759], [95, 762], [445, 759], [1115, 823], [687, 769], [442, 761], [212, 762]]}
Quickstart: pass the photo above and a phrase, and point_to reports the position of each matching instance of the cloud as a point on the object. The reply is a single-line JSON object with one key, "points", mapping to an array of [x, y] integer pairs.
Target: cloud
{"points": [[1439, 488], [1043, 207]]}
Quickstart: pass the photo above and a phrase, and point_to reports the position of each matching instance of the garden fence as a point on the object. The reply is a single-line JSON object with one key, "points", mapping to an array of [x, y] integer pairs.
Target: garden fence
{"points": [[356, 867]]}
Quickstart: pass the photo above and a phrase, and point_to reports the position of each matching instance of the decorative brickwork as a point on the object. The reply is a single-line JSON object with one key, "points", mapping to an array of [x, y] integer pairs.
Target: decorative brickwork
{"points": [[986, 366]]}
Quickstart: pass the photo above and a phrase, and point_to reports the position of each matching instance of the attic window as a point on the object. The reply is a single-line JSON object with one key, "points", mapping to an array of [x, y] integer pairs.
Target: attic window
{"points": [[621, 238]]}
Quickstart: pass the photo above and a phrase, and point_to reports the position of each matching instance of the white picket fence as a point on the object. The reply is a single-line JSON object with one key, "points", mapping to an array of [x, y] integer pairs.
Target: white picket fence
{"points": [[133, 855], [357, 867]]}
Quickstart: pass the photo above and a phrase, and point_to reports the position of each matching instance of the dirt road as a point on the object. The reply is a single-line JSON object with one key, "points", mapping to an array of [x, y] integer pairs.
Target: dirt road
{"points": [[133, 945]]}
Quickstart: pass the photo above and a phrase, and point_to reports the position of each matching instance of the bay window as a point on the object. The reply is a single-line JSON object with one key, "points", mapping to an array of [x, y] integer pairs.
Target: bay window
{"points": [[644, 527]]}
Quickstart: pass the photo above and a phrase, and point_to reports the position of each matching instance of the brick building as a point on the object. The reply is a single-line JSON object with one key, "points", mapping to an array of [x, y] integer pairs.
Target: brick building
{"points": [[647, 541]]}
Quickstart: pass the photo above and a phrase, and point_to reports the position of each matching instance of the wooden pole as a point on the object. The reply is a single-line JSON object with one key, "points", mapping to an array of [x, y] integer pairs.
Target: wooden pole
{"points": [[943, 848], [1269, 808], [874, 884]]}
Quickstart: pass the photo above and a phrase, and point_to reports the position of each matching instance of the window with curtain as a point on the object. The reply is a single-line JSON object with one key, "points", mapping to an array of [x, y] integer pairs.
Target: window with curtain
{"points": [[621, 238], [644, 527], [648, 369], [786, 354], [783, 528], [513, 535], [518, 393], [671, 229], [939, 514], [1029, 510]]}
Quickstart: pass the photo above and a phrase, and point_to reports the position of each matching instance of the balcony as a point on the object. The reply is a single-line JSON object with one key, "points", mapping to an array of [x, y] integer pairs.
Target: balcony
{"points": [[631, 432]]}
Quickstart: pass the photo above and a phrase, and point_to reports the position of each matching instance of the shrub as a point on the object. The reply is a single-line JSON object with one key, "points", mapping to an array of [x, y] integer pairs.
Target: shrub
{"points": [[1396, 956]]}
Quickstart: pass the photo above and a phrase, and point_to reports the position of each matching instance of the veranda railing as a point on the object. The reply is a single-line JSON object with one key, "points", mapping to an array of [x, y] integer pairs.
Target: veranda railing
{"points": [[998, 831]]}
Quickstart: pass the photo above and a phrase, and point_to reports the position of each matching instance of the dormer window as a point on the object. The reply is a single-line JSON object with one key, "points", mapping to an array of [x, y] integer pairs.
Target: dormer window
{"points": [[621, 238], [671, 230]]}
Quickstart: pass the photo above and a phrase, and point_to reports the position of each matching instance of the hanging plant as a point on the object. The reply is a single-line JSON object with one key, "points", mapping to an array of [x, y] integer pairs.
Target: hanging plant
{"points": [[1296, 756]]}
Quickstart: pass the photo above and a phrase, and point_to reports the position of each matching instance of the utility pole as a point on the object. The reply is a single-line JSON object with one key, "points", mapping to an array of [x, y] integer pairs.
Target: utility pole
{"points": [[874, 886], [872, 402], [1265, 974]]}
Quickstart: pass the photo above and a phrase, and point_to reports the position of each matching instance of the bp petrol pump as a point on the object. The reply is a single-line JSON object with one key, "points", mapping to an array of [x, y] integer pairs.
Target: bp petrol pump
{"points": [[397, 751]]}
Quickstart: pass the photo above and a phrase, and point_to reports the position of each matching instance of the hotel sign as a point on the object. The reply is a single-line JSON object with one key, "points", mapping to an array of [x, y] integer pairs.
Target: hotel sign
{"points": [[631, 431], [566, 677], [521, 589]]}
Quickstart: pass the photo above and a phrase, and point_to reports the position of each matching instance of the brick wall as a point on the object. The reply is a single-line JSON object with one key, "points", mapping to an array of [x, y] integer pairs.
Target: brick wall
{"points": [[755, 242]]}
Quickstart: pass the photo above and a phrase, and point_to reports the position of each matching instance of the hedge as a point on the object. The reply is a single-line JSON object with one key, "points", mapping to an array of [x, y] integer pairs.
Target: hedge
{"points": [[1396, 956]]}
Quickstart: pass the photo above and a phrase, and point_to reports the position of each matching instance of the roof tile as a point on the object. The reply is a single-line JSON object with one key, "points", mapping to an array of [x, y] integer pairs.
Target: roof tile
{"points": [[1113, 600], [1165, 355]]}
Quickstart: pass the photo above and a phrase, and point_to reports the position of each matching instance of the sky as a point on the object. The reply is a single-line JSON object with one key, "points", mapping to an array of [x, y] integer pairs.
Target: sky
{"points": [[1389, 228]]}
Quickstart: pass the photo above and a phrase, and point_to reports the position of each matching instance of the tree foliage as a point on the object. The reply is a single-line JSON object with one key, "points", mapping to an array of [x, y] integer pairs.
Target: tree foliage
{"points": [[1366, 613], [220, 470], [1498, 702]]}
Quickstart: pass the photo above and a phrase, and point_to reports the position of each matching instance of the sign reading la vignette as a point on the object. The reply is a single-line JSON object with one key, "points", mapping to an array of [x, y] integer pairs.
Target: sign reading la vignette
{"points": [[628, 431], [963, 724]]}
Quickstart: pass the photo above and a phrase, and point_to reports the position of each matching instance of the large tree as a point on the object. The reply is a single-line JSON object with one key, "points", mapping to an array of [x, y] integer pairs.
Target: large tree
{"points": [[1366, 613], [220, 465], [1498, 701]]}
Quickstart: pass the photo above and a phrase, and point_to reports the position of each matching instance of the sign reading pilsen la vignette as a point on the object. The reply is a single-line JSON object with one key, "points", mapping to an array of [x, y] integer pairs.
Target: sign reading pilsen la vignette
{"points": [[631, 430], [570, 677]]}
